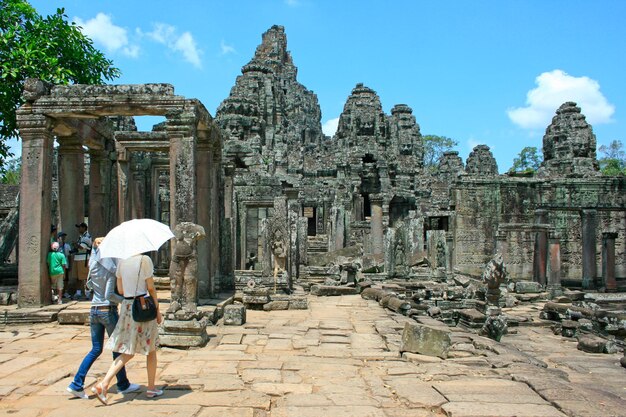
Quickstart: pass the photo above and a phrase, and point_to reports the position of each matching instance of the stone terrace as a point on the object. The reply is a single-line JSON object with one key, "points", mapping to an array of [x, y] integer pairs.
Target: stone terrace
{"points": [[339, 358]]}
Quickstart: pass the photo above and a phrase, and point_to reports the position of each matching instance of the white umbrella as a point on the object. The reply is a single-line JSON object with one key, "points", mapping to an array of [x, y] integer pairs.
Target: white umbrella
{"points": [[134, 237]]}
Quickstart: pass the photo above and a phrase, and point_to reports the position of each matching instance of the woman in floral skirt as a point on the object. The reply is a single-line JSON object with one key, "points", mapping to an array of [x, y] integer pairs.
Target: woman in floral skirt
{"points": [[135, 278]]}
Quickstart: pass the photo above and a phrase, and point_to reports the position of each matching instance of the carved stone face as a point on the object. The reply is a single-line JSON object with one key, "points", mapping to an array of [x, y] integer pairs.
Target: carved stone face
{"points": [[406, 149], [235, 131]]}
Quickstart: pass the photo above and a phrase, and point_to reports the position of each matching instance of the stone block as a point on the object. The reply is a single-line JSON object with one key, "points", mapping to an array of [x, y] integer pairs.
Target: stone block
{"points": [[373, 263], [5, 298], [73, 317], [184, 333], [299, 303], [255, 299], [462, 280], [276, 305], [325, 290], [362, 285], [528, 287], [591, 344], [426, 340], [234, 315]]}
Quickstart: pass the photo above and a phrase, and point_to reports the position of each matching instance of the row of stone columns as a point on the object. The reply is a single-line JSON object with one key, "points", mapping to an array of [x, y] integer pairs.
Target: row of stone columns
{"points": [[546, 257]]}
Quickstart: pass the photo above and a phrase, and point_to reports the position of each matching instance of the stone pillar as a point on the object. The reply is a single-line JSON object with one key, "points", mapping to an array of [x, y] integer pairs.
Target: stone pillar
{"points": [[99, 207], [554, 266], [137, 187], [376, 224], [589, 248], [540, 254], [339, 230], [71, 186], [217, 216], [608, 261], [294, 208], [181, 131], [449, 251], [123, 172], [35, 207], [203, 178]]}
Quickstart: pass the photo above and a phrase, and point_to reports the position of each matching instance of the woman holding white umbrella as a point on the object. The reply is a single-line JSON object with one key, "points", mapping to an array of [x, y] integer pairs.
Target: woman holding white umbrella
{"points": [[135, 278]]}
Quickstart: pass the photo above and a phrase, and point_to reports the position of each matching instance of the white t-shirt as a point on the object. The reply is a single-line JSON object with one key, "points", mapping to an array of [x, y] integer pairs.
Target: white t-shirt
{"points": [[128, 270]]}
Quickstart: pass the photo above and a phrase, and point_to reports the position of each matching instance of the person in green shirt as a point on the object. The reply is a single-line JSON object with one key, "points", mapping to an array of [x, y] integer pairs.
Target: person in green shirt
{"points": [[57, 264]]}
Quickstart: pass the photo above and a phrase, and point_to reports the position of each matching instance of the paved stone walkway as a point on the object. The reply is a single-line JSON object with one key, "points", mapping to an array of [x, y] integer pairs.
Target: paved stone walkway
{"points": [[340, 358]]}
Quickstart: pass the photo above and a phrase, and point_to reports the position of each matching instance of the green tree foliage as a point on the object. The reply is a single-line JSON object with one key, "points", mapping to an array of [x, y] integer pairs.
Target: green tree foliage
{"points": [[434, 147], [614, 160], [12, 172], [49, 48], [528, 161]]}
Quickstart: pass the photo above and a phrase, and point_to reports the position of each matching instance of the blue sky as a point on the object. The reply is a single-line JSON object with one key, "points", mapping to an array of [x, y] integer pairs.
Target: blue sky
{"points": [[480, 72]]}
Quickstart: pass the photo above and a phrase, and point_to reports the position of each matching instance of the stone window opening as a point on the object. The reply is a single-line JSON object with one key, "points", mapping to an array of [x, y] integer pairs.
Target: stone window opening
{"points": [[434, 223]]}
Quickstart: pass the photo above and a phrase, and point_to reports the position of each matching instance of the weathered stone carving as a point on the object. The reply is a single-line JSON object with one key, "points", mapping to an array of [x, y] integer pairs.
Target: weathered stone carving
{"points": [[494, 274], [495, 325], [569, 145], [481, 162], [184, 267], [279, 251]]}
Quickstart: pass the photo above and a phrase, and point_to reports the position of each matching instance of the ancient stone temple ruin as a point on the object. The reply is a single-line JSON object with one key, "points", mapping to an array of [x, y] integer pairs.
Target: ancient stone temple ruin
{"points": [[366, 188], [285, 207], [171, 173]]}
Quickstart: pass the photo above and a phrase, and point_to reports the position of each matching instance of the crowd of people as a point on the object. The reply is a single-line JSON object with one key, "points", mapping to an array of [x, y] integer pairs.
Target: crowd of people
{"points": [[72, 262], [107, 282]]}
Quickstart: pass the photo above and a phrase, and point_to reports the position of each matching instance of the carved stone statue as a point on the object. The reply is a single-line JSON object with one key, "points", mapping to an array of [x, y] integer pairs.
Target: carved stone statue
{"points": [[495, 326], [441, 254], [279, 250], [494, 274], [184, 267]]}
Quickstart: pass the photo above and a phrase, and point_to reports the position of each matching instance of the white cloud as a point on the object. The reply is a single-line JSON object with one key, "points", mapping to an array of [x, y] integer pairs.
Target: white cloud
{"points": [[555, 88], [472, 143], [330, 127], [114, 38], [185, 43], [227, 49]]}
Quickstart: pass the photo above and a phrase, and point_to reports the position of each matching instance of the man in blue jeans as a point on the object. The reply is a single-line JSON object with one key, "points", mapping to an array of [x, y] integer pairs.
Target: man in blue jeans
{"points": [[103, 317]]}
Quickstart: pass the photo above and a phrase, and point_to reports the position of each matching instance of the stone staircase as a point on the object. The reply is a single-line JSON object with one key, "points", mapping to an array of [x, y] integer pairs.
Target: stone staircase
{"points": [[310, 275], [317, 244]]}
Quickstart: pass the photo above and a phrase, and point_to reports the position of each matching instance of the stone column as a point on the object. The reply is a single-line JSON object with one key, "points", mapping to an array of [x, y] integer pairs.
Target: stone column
{"points": [[228, 191], [540, 254], [99, 207], [608, 261], [71, 186], [137, 187], [181, 131], [376, 224], [123, 172], [35, 207], [589, 248], [554, 266], [294, 208], [217, 215], [203, 187], [450, 251]]}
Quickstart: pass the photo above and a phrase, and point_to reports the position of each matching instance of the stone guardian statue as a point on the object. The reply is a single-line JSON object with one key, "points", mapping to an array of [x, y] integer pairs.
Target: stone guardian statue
{"points": [[184, 267]]}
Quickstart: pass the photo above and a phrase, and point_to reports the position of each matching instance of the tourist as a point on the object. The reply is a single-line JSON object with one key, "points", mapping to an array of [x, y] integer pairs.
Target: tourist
{"points": [[53, 233], [66, 249], [103, 317], [56, 267], [81, 250], [134, 278]]}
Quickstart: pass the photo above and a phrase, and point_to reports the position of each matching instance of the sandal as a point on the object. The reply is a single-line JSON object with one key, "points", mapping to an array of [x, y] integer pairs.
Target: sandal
{"points": [[154, 393], [101, 395]]}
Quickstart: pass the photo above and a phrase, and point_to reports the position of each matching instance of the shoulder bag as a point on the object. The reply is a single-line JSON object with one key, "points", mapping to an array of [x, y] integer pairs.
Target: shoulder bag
{"points": [[144, 308]]}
